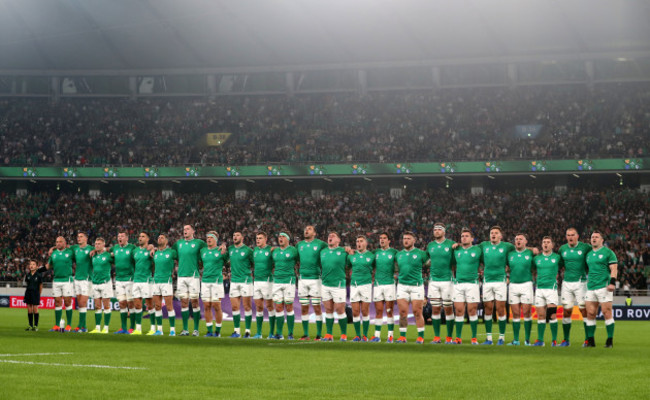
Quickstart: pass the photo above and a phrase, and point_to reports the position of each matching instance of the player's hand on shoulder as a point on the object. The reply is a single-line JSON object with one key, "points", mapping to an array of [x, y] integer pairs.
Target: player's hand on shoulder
{"points": [[455, 246], [535, 251], [50, 251]]}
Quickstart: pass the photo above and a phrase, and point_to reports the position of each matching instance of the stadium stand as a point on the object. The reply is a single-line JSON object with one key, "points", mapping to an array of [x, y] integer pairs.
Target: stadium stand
{"points": [[610, 120], [30, 224]]}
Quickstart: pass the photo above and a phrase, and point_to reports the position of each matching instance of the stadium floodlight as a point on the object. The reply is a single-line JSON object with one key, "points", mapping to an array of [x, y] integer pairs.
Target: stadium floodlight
{"points": [[621, 59], [327, 179], [69, 180], [408, 178], [250, 181], [288, 180], [176, 181], [449, 178], [214, 181], [141, 181], [532, 176], [491, 177], [576, 175], [103, 181], [365, 178], [619, 175]]}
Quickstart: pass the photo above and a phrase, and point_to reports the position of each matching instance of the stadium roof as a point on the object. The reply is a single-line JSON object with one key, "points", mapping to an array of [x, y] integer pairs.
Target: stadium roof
{"points": [[199, 34]]}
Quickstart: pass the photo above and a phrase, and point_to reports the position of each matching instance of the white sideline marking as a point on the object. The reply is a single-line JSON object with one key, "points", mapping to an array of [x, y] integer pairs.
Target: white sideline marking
{"points": [[56, 364], [67, 365], [34, 354]]}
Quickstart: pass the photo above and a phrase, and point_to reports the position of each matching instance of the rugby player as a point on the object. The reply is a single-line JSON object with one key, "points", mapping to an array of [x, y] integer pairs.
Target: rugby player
{"points": [[241, 283], [309, 280], [285, 259], [410, 286], [441, 287], [468, 258], [603, 269], [384, 287]]}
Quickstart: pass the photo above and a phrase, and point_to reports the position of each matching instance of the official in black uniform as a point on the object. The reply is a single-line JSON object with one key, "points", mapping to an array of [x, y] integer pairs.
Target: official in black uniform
{"points": [[34, 282]]}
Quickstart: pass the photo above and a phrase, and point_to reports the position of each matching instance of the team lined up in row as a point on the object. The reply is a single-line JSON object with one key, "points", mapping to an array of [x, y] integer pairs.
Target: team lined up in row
{"points": [[268, 276]]}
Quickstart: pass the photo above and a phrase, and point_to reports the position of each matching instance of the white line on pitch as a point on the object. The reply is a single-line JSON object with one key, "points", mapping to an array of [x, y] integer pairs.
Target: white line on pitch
{"points": [[67, 365], [34, 354]]}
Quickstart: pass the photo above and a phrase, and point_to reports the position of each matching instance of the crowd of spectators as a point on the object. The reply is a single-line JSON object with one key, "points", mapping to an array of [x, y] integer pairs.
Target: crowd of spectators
{"points": [[610, 120], [29, 225]]}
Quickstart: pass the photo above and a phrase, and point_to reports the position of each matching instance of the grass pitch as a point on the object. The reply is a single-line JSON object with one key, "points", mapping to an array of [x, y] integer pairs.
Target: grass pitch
{"points": [[81, 366]]}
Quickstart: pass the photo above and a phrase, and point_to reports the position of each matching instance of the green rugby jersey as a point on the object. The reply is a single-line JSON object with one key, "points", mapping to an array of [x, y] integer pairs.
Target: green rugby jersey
{"points": [[410, 265], [61, 262], [334, 262], [262, 257], [124, 262], [521, 266], [143, 265], [189, 253], [309, 253], [385, 266], [213, 262], [285, 261], [494, 260], [598, 262], [101, 268], [575, 261], [83, 263], [442, 258], [362, 266], [467, 263], [547, 268], [241, 264], [163, 261]]}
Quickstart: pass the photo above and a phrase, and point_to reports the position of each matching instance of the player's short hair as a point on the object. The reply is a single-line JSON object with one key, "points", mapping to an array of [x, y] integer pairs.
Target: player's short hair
{"points": [[386, 234], [32, 260], [240, 232], [408, 233], [598, 232], [82, 233], [216, 235], [145, 233], [522, 234], [165, 235], [438, 223], [335, 233], [549, 238], [124, 231], [262, 233], [572, 229], [497, 227], [100, 239], [362, 237], [468, 231]]}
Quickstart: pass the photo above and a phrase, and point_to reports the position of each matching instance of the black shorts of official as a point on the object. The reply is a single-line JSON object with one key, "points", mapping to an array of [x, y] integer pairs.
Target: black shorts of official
{"points": [[32, 298]]}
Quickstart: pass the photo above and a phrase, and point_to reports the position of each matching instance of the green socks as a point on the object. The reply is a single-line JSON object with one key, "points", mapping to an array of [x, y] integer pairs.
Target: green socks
{"points": [[516, 327], [435, 321], [541, 327]]}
